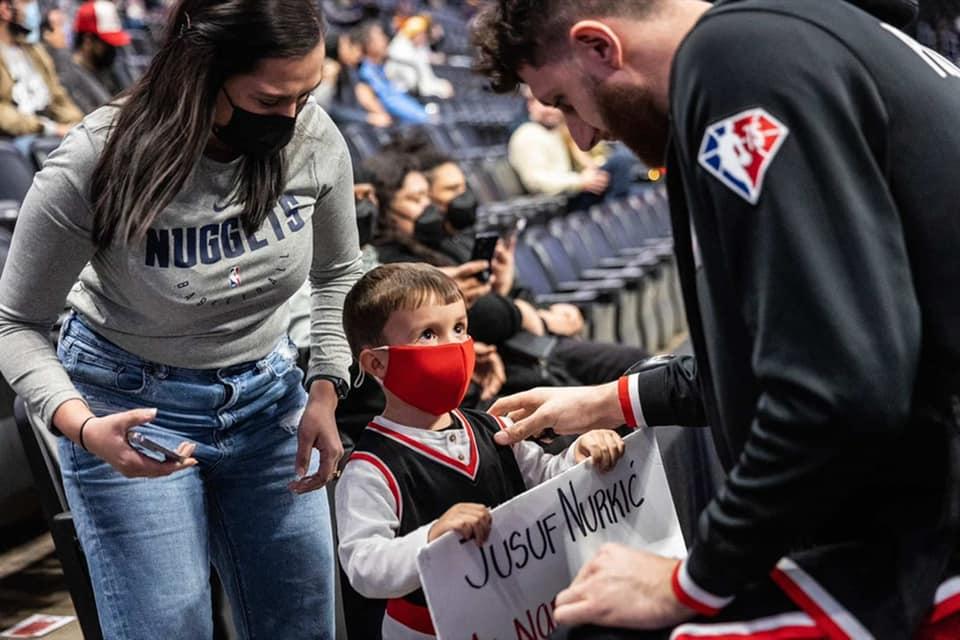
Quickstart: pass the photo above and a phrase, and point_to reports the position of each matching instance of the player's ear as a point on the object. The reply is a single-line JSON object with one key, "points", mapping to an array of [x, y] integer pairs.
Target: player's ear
{"points": [[597, 45], [374, 362]]}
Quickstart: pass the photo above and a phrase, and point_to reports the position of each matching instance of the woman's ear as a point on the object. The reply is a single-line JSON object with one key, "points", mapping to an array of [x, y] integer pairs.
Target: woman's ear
{"points": [[374, 362]]}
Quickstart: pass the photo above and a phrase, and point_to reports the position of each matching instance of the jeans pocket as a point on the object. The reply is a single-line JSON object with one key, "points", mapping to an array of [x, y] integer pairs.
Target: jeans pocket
{"points": [[104, 373], [283, 359]]}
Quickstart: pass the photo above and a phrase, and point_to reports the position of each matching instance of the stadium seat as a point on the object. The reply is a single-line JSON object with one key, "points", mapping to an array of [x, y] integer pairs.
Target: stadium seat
{"points": [[16, 173], [41, 148], [626, 284], [641, 326], [53, 501], [598, 304]]}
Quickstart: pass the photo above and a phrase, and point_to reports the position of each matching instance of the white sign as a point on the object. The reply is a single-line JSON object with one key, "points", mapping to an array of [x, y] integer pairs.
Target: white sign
{"points": [[505, 589]]}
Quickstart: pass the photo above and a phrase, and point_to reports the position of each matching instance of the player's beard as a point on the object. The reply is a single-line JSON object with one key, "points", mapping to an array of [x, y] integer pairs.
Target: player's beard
{"points": [[629, 114]]}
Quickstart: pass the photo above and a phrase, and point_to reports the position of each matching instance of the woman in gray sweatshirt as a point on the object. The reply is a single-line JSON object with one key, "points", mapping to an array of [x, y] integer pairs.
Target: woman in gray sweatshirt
{"points": [[177, 223]]}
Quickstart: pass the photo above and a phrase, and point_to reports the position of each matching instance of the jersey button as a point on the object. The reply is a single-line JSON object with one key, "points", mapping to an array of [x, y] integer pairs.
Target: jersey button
{"points": [[453, 437], [460, 457]]}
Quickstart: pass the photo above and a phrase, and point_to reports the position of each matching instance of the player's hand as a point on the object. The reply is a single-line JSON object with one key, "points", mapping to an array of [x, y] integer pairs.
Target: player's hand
{"points": [[567, 410], [470, 520], [465, 277], [318, 430], [623, 587], [489, 372], [106, 438], [605, 447]]}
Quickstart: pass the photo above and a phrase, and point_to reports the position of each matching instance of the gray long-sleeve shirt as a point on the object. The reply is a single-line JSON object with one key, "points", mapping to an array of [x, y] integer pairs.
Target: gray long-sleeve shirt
{"points": [[196, 292]]}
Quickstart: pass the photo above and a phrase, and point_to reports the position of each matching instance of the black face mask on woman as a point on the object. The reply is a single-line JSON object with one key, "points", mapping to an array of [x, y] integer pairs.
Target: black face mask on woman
{"points": [[367, 214], [255, 134], [461, 215], [462, 211], [429, 227]]}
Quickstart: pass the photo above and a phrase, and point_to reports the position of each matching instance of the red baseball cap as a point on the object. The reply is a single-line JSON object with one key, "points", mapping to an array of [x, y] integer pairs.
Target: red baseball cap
{"points": [[100, 18]]}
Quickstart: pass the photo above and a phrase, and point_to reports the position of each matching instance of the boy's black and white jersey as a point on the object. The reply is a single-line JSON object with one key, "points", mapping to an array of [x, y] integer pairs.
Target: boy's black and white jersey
{"points": [[400, 480]]}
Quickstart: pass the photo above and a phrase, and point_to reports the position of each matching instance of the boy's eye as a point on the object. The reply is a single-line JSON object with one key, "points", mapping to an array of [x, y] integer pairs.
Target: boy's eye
{"points": [[428, 334], [460, 329]]}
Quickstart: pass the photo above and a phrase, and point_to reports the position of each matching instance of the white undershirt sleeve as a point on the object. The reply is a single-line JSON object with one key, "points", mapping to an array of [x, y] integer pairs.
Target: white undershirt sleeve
{"points": [[377, 562]]}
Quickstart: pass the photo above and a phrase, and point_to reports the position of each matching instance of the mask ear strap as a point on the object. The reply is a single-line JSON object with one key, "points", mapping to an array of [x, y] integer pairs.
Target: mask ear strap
{"points": [[360, 379]]}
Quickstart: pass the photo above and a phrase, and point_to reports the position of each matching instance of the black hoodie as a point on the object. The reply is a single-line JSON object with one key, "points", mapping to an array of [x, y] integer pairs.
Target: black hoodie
{"points": [[814, 196]]}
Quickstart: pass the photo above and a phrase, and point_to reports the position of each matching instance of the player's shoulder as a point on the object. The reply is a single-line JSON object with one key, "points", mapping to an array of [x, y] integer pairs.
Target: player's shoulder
{"points": [[759, 48], [767, 29]]}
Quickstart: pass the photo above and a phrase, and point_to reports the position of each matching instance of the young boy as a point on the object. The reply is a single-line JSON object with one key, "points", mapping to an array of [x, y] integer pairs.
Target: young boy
{"points": [[424, 467]]}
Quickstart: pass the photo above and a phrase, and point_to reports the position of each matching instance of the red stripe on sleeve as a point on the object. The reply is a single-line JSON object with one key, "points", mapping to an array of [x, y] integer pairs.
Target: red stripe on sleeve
{"points": [[623, 390], [387, 474], [687, 599]]}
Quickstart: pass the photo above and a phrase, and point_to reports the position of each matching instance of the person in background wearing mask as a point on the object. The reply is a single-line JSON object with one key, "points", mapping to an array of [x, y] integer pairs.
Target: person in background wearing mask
{"points": [[98, 35], [456, 206], [408, 65], [406, 216], [190, 213], [32, 100], [413, 229], [400, 105]]}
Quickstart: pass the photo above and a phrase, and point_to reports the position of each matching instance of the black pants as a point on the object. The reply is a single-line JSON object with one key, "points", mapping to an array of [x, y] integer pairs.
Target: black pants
{"points": [[596, 362]]}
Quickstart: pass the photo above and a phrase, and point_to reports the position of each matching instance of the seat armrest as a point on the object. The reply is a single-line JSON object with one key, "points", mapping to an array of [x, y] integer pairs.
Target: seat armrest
{"points": [[628, 272], [609, 284], [570, 297]]}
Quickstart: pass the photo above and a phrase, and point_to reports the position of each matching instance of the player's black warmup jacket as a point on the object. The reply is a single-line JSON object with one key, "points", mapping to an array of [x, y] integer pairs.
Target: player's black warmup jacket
{"points": [[814, 179]]}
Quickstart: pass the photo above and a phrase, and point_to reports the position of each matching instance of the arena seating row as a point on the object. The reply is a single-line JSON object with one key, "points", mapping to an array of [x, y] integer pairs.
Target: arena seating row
{"points": [[620, 255]]}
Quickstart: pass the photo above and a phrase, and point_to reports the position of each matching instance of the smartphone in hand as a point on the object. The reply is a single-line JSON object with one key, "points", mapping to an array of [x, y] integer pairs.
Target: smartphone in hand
{"points": [[151, 449], [484, 246]]}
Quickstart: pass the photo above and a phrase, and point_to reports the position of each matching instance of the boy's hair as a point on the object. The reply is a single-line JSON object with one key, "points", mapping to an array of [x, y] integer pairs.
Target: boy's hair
{"points": [[402, 286]]}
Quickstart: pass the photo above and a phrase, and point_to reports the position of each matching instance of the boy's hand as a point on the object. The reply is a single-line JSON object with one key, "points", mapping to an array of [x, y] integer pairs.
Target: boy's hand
{"points": [[468, 519], [604, 446]]}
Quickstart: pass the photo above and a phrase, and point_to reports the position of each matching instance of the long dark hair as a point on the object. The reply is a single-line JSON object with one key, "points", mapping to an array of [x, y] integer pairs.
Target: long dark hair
{"points": [[166, 119], [388, 170]]}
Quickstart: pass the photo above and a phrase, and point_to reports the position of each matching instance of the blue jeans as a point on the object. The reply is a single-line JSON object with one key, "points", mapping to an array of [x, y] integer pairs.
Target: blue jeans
{"points": [[150, 542]]}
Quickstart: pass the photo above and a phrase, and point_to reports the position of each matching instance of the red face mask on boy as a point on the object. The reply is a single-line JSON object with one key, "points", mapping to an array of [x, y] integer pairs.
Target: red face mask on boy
{"points": [[432, 378]]}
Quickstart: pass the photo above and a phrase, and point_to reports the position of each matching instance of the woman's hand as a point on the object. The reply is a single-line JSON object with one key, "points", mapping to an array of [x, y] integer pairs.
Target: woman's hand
{"points": [[106, 438], [318, 430]]}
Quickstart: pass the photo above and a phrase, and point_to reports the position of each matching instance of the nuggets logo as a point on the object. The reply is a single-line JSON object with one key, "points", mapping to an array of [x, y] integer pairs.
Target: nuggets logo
{"points": [[235, 277], [738, 150]]}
